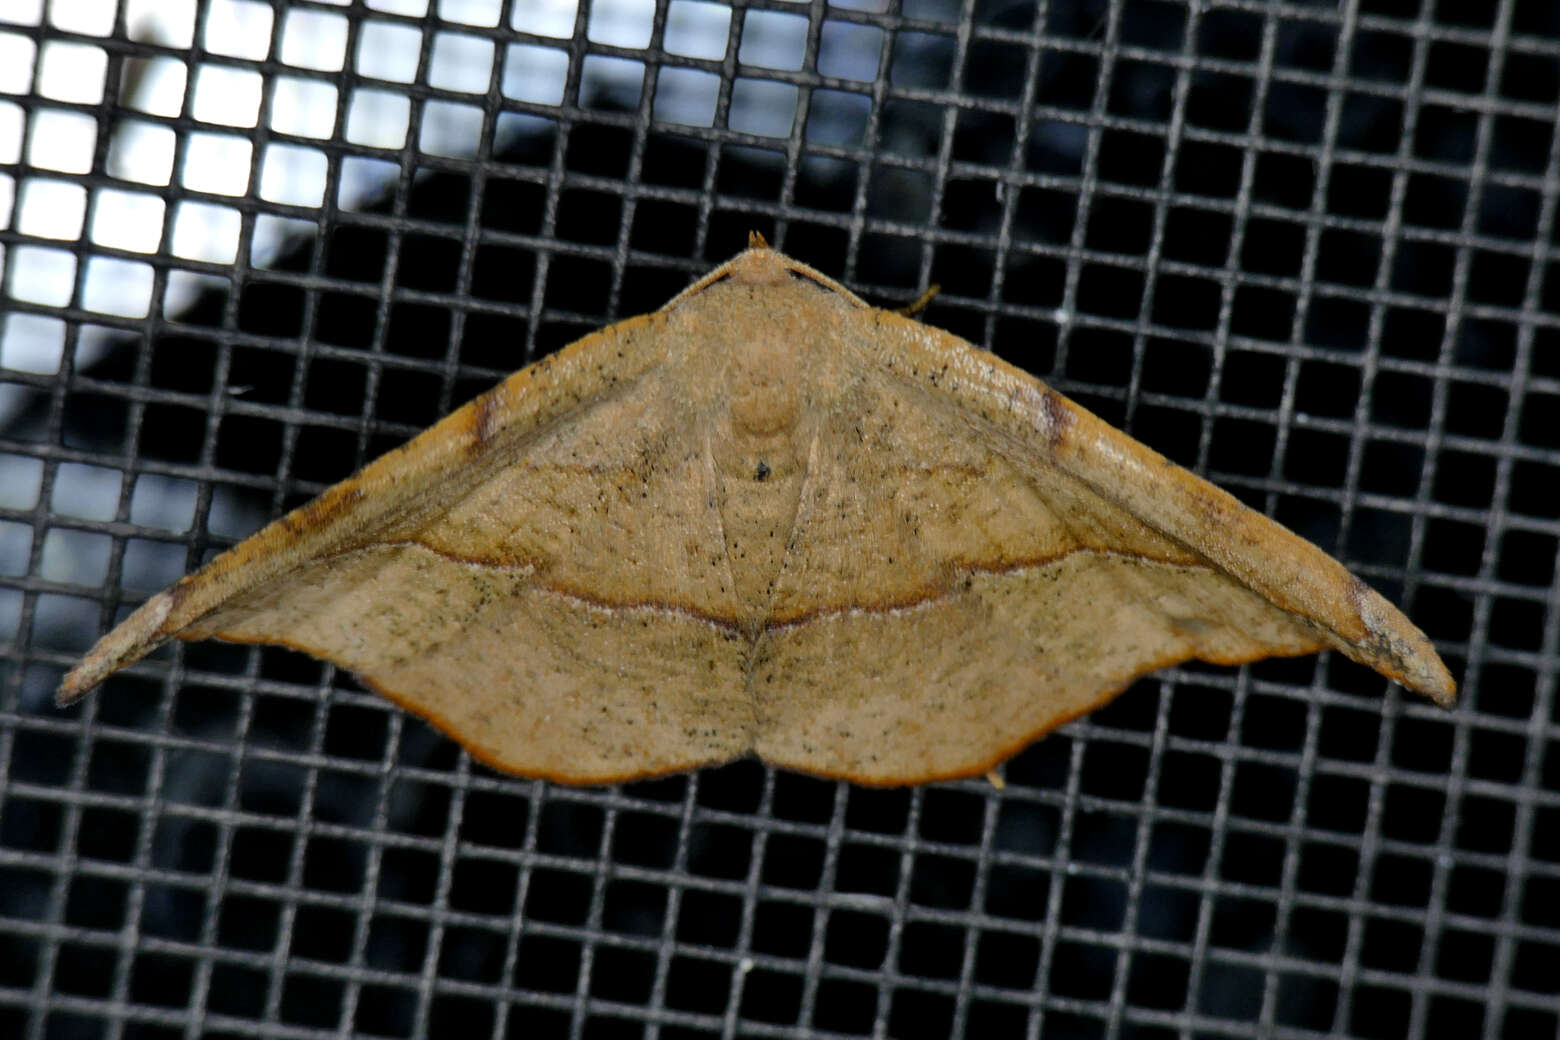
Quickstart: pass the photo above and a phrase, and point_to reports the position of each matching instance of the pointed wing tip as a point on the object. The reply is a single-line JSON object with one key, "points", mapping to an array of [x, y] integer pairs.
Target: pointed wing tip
{"points": [[1399, 650], [76, 685], [1432, 679], [134, 638], [103, 660]]}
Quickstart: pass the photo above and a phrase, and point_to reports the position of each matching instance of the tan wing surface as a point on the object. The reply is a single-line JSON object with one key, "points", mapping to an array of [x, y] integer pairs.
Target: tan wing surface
{"points": [[531, 574], [992, 561]]}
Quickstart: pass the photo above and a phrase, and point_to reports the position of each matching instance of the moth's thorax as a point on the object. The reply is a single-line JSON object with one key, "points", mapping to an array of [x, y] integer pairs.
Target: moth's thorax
{"points": [[764, 380], [759, 452], [762, 410]]}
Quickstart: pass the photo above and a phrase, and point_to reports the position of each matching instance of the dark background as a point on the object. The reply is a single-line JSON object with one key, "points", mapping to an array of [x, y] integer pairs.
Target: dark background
{"points": [[1305, 252]]}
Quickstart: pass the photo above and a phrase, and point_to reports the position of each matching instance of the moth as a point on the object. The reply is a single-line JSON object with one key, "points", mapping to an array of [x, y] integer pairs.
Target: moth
{"points": [[770, 519]]}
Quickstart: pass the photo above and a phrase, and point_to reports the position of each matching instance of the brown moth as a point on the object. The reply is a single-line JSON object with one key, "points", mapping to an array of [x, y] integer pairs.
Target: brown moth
{"points": [[769, 518]]}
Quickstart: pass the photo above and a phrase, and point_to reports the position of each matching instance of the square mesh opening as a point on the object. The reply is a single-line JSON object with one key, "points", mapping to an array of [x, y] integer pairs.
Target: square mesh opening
{"points": [[1303, 250]]}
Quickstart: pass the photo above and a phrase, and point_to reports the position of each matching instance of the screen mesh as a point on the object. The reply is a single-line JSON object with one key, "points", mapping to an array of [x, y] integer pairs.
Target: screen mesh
{"points": [[1303, 249]]}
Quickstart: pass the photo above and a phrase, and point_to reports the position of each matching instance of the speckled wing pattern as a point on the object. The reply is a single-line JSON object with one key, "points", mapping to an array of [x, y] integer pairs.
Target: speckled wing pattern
{"points": [[770, 519]]}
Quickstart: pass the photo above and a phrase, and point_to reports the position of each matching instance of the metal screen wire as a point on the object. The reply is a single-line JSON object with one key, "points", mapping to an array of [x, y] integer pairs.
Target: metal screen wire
{"points": [[1303, 249]]}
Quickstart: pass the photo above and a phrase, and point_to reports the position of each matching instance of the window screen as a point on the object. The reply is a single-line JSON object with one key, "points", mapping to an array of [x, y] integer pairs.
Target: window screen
{"points": [[1303, 249]]}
